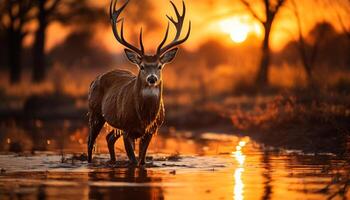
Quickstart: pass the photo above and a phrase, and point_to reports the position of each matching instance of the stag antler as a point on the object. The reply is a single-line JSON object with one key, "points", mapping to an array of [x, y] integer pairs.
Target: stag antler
{"points": [[114, 15], [178, 25]]}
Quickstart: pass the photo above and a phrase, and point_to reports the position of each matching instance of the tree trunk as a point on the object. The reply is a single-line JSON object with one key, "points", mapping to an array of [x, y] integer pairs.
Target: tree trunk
{"points": [[15, 50], [262, 76], [39, 64], [308, 70]]}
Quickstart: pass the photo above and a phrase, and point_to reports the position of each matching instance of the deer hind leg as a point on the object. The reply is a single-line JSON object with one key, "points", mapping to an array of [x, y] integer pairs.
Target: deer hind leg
{"points": [[96, 123], [129, 144], [111, 138]]}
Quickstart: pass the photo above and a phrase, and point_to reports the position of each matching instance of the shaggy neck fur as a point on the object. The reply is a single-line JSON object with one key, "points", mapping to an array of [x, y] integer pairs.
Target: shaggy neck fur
{"points": [[148, 101]]}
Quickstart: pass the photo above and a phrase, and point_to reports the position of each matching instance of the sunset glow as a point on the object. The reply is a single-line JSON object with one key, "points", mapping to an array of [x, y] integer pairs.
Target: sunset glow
{"points": [[239, 27]]}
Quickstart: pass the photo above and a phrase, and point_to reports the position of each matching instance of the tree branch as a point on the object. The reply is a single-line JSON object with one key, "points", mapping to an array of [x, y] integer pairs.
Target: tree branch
{"points": [[251, 10], [315, 48], [279, 4], [53, 6], [2, 14], [9, 12], [345, 30], [301, 43], [277, 7]]}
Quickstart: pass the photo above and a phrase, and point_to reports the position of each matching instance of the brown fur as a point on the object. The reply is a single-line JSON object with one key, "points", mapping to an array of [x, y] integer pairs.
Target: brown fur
{"points": [[116, 96]]}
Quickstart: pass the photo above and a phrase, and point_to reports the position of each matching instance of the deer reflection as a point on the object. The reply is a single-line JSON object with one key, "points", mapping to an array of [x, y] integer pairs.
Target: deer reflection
{"points": [[124, 190]]}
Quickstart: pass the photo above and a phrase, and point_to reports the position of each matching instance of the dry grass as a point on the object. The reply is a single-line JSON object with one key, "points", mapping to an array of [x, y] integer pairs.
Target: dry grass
{"points": [[314, 122], [284, 109]]}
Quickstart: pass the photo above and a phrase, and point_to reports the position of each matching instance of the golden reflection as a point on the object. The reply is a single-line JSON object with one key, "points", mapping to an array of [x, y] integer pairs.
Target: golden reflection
{"points": [[238, 155], [242, 143], [238, 188], [240, 158]]}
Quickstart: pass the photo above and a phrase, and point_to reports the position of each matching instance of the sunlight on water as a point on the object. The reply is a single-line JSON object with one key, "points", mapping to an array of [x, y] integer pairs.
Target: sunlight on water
{"points": [[212, 166], [238, 155], [239, 186], [240, 158]]}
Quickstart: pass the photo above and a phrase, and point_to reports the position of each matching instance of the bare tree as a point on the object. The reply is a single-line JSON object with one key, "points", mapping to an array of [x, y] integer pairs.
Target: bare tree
{"points": [[63, 11], [308, 51], [346, 30], [14, 15], [40, 36], [271, 9]]}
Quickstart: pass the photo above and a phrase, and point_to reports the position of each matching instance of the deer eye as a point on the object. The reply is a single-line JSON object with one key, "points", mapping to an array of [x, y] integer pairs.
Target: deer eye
{"points": [[142, 67], [159, 66]]}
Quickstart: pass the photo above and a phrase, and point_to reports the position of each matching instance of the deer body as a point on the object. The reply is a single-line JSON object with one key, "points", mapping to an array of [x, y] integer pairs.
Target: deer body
{"points": [[132, 103], [126, 104]]}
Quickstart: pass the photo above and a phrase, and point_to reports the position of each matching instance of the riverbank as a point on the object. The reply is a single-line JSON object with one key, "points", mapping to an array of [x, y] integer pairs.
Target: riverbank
{"points": [[317, 122]]}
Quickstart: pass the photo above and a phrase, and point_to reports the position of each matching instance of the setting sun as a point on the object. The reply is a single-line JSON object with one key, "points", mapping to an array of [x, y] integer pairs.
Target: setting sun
{"points": [[238, 28], [239, 34]]}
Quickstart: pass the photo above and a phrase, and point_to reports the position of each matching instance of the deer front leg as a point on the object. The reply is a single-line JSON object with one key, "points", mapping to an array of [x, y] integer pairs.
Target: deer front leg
{"points": [[111, 138], [129, 148], [96, 123], [144, 142]]}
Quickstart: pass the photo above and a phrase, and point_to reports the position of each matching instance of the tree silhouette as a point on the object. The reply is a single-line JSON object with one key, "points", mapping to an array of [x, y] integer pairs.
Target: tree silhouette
{"points": [[308, 50], [271, 9], [63, 11], [14, 16], [79, 49], [346, 30], [39, 44]]}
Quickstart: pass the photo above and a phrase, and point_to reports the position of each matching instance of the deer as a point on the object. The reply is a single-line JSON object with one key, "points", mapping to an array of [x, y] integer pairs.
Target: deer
{"points": [[132, 103]]}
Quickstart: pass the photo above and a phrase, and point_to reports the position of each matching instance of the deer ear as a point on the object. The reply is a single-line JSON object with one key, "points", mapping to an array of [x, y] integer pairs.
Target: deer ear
{"points": [[168, 56], [132, 56]]}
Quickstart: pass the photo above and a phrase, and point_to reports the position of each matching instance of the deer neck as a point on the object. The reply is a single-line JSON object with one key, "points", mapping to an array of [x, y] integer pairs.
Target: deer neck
{"points": [[147, 101]]}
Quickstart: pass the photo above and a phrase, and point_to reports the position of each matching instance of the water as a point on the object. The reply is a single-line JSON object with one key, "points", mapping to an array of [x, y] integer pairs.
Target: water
{"points": [[180, 165]]}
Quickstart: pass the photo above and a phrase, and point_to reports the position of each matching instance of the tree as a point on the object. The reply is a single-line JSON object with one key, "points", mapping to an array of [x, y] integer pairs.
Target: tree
{"points": [[271, 9], [346, 7], [15, 14], [39, 64], [79, 49], [63, 11], [308, 50]]}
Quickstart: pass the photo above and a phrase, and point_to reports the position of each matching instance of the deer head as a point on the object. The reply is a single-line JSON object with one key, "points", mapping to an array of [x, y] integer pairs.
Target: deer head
{"points": [[150, 65]]}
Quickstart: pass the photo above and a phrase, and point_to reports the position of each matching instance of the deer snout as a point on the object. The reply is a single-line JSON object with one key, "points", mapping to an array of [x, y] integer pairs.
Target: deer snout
{"points": [[152, 79]]}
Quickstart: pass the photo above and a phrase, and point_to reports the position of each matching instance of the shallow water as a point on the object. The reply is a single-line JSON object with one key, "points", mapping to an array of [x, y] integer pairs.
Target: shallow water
{"points": [[180, 165]]}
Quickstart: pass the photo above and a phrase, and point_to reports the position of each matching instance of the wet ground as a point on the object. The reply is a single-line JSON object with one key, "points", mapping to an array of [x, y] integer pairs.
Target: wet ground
{"points": [[180, 165]]}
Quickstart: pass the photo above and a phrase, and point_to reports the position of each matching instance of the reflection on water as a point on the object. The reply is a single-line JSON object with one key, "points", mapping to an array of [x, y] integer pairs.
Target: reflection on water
{"points": [[239, 185], [267, 175], [181, 165], [129, 184]]}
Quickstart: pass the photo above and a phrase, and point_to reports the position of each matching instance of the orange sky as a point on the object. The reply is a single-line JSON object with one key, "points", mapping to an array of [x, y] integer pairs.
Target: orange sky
{"points": [[207, 17]]}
